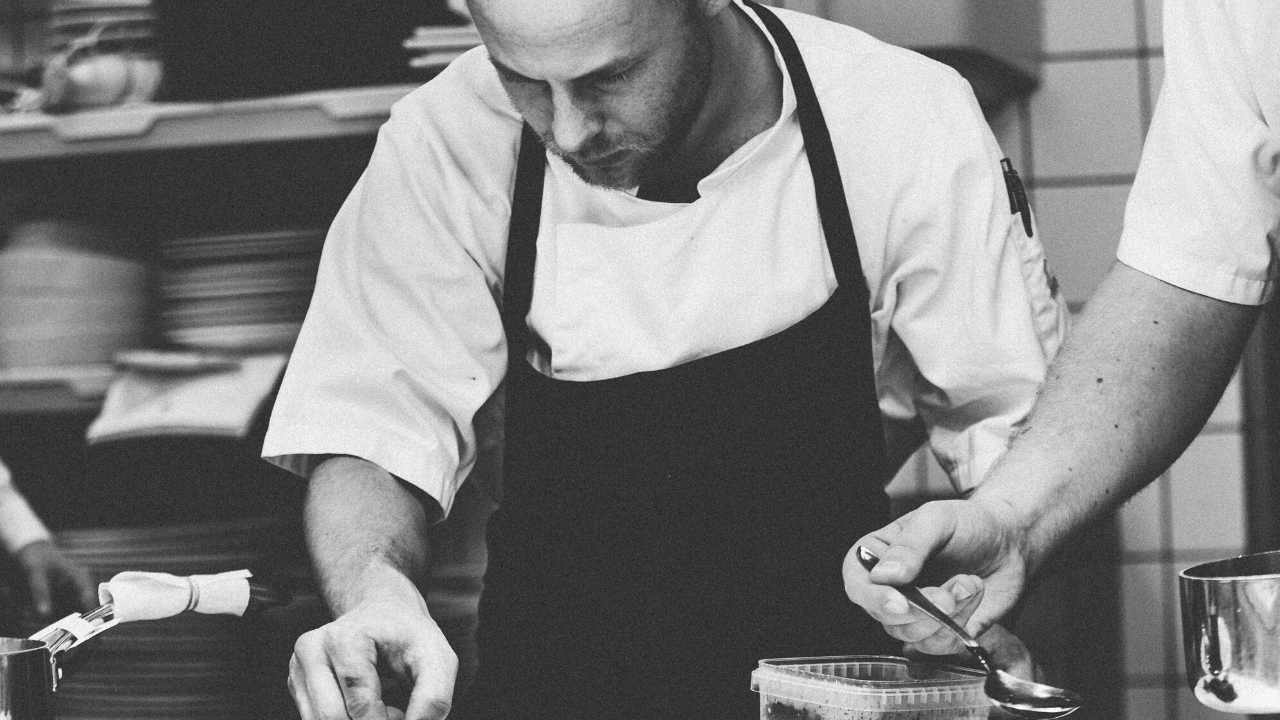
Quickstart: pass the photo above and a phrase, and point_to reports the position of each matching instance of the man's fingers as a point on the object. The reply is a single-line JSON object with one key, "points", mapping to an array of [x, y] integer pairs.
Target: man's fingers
{"points": [[1009, 653], [298, 690], [434, 676], [917, 624], [965, 592], [316, 678], [355, 670]]}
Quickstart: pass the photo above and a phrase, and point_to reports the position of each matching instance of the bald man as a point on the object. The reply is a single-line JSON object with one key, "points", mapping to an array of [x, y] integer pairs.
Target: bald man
{"points": [[721, 265]]}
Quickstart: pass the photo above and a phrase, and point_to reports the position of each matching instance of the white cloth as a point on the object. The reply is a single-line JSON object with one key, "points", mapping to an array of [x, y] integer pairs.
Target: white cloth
{"points": [[221, 403], [403, 340], [153, 596], [19, 525], [1207, 194]]}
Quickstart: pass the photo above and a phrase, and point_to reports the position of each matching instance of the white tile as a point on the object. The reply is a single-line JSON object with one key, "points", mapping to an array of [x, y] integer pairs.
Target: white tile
{"points": [[1207, 491], [1230, 409], [1086, 119], [1083, 25], [1143, 703], [1080, 227], [1139, 519], [1144, 640], [1154, 20]]}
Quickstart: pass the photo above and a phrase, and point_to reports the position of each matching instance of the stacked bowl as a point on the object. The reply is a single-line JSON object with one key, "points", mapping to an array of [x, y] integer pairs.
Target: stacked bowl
{"points": [[238, 292]]}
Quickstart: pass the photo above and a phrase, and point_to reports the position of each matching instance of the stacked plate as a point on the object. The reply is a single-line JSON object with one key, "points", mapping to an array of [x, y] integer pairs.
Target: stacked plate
{"points": [[434, 46], [115, 24], [243, 292], [190, 666]]}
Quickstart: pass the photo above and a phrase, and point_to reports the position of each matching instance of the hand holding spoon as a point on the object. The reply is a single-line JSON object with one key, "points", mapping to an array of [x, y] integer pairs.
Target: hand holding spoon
{"points": [[1022, 698]]}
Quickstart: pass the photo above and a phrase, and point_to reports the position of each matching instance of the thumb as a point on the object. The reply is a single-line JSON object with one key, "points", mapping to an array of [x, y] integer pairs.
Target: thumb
{"points": [[910, 541]]}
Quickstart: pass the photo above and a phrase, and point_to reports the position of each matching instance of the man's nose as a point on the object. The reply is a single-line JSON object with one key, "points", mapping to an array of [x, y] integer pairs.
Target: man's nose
{"points": [[572, 122]]}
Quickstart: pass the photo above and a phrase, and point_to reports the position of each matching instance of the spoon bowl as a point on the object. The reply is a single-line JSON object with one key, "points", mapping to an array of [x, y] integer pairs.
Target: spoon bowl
{"points": [[1016, 696]]}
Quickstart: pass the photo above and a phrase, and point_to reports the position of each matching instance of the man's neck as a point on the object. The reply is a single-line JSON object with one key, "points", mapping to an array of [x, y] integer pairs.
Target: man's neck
{"points": [[744, 98]]}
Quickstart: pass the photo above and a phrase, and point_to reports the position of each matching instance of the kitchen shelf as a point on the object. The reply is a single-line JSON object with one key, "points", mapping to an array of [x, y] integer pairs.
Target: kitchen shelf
{"points": [[146, 127], [54, 390]]}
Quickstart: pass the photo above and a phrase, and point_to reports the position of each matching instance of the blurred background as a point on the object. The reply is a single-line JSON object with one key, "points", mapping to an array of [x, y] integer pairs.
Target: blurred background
{"points": [[167, 172]]}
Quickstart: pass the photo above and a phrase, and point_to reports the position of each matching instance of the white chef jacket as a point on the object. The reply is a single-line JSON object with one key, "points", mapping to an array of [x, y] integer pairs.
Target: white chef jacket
{"points": [[403, 340], [1207, 195], [19, 525]]}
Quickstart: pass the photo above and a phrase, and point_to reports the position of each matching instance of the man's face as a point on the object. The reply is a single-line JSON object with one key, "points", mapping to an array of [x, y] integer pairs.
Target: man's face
{"points": [[611, 86]]}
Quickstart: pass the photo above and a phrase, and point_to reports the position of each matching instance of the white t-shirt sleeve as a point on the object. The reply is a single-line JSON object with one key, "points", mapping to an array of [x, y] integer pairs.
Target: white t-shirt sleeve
{"points": [[403, 340], [19, 525], [1206, 196], [974, 319]]}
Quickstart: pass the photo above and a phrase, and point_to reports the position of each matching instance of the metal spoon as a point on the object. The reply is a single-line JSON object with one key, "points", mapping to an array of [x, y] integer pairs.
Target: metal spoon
{"points": [[1019, 697]]}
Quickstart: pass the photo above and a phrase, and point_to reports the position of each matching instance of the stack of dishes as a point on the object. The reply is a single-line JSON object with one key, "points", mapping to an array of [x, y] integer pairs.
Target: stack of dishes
{"points": [[434, 46], [64, 300], [206, 667], [244, 292], [116, 24]]}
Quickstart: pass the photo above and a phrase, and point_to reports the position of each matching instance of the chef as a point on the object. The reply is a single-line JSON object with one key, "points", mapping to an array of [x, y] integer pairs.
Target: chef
{"points": [[720, 261], [1156, 345]]}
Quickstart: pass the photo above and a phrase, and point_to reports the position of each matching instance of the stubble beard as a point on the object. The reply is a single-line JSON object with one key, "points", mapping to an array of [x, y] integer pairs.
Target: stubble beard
{"points": [[648, 155]]}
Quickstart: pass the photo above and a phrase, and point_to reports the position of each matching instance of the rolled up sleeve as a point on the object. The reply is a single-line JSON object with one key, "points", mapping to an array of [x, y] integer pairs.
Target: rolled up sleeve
{"points": [[1207, 194]]}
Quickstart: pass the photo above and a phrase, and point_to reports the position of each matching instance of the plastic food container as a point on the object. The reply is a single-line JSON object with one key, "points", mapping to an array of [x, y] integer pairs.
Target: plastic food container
{"points": [[865, 687]]}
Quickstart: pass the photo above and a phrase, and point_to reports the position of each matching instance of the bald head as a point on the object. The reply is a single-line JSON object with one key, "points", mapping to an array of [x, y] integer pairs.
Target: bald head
{"points": [[607, 84]]}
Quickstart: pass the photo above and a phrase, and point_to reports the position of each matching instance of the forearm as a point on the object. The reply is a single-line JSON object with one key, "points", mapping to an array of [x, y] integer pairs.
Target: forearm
{"points": [[1136, 380], [366, 533]]}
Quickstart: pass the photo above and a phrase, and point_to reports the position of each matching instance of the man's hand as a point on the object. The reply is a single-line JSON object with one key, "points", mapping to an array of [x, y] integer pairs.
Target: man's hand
{"points": [[967, 557], [334, 671], [52, 576]]}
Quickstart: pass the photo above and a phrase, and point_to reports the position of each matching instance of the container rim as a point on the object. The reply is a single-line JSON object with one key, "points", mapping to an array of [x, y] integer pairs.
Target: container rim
{"points": [[1251, 566], [816, 681], [791, 667]]}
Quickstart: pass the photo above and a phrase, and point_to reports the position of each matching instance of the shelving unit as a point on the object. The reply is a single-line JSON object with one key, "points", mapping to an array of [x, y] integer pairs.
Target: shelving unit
{"points": [[73, 389], [168, 126], [34, 140]]}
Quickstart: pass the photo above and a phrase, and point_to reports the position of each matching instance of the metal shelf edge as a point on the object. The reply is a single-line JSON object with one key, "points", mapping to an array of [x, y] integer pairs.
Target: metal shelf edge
{"points": [[164, 126]]}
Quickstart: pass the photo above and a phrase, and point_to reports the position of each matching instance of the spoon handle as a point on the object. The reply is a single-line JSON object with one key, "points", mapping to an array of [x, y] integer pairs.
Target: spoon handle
{"points": [[917, 598]]}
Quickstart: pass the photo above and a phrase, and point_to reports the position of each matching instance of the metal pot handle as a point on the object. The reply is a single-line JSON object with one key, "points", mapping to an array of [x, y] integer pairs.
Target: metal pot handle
{"points": [[76, 629]]}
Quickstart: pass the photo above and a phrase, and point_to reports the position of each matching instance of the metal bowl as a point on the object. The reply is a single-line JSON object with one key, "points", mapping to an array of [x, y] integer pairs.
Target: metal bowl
{"points": [[1231, 632]]}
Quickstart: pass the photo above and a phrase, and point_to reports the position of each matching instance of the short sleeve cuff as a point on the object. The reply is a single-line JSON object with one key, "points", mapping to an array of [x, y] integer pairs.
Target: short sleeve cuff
{"points": [[1218, 281], [405, 458]]}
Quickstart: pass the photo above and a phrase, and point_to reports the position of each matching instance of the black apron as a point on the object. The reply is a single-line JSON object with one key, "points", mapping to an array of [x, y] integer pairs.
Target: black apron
{"points": [[659, 533]]}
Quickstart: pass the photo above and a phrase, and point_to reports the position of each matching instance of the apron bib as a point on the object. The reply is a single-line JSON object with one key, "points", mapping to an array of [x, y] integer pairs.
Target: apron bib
{"points": [[659, 533]]}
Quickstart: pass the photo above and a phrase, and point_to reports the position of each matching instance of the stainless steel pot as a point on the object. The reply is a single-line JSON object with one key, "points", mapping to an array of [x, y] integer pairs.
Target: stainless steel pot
{"points": [[26, 679], [1231, 632], [29, 671]]}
